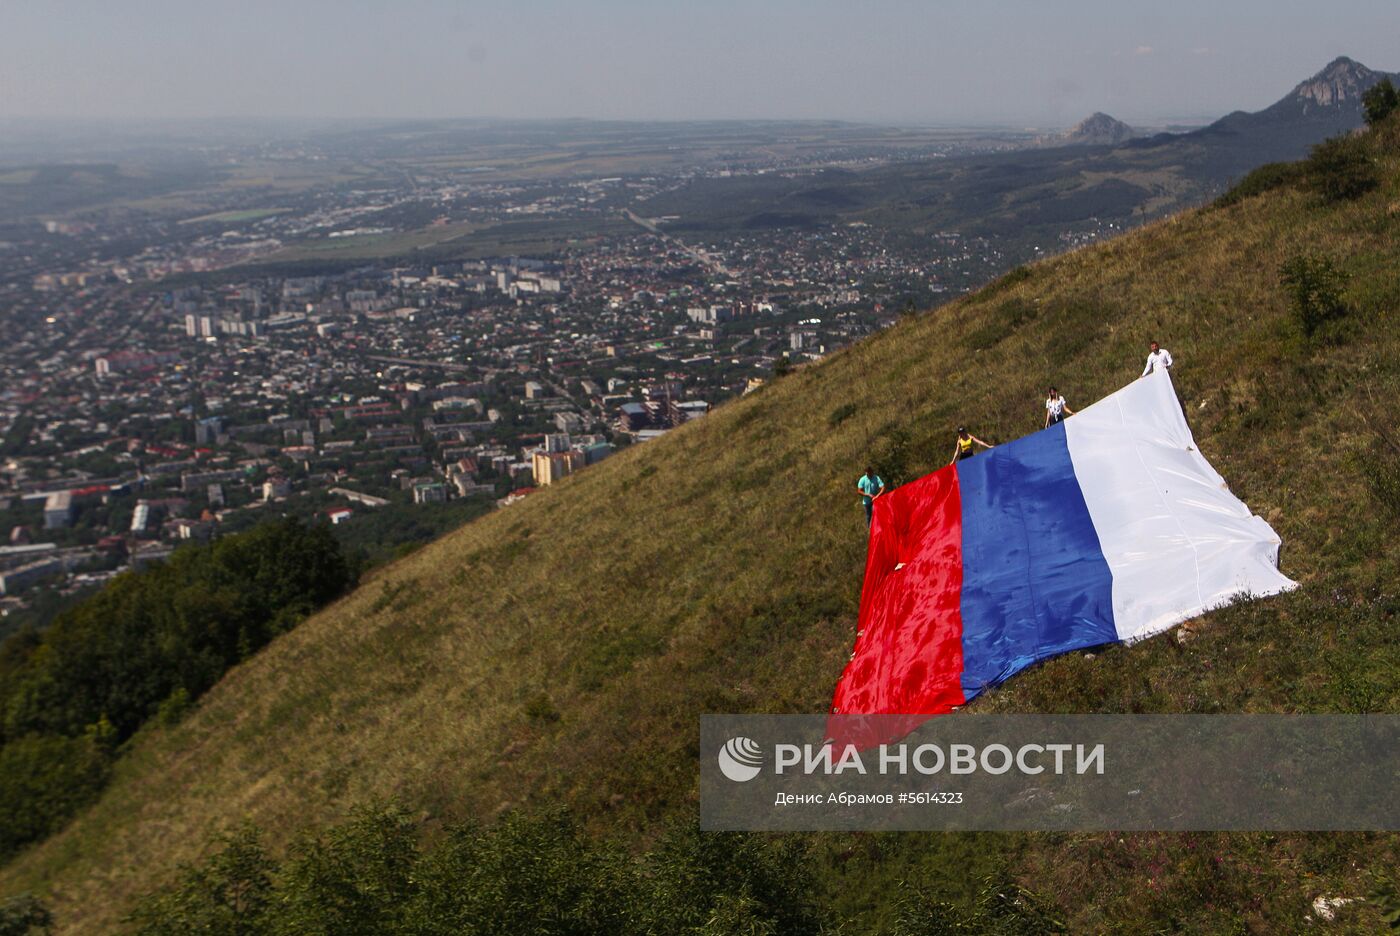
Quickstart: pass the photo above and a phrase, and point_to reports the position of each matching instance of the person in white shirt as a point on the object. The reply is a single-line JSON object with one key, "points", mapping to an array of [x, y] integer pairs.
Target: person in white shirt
{"points": [[1159, 358], [1056, 409]]}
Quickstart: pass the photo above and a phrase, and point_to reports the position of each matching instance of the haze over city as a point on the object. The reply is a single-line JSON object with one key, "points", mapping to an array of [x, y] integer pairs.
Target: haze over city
{"points": [[1015, 61]]}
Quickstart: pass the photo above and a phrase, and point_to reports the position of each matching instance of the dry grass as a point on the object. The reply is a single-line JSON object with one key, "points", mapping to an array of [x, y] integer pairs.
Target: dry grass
{"points": [[718, 569]]}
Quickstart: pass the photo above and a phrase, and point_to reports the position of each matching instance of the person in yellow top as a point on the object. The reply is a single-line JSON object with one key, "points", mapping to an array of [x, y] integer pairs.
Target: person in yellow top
{"points": [[964, 445]]}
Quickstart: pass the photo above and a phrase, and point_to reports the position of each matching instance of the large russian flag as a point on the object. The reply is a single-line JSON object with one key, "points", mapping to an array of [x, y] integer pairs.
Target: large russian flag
{"points": [[1108, 527]]}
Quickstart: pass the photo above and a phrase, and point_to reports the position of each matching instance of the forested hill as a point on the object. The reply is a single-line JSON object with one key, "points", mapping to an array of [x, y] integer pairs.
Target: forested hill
{"points": [[557, 654]]}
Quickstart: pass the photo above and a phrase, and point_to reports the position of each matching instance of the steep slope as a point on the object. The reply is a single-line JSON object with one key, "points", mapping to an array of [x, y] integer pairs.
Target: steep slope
{"points": [[561, 650]]}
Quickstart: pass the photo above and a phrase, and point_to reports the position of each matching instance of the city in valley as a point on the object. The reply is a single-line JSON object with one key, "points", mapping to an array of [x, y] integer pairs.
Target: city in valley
{"points": [[394, 327], [394, 342]]}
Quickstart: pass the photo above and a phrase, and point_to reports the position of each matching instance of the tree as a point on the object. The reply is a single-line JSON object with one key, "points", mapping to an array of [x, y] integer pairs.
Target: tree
{"points": [[147, 643], [44, 780], [1380, 101]]}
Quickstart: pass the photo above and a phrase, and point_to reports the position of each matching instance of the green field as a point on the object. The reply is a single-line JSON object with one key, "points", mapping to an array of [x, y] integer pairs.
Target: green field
{"points": [[559, 653], [463, 241]]}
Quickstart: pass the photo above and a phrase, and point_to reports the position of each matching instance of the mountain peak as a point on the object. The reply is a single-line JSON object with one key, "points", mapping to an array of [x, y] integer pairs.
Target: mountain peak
{"points": [[1344, 79], [1098, 129], [1343, 63]]}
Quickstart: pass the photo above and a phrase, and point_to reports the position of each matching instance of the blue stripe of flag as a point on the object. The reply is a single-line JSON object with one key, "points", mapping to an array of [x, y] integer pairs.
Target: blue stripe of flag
{"points": [[1035, 581]]}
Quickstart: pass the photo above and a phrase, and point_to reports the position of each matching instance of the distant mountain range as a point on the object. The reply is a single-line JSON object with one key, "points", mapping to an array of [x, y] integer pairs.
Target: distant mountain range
{"points": [[1324, 105], [1099, 171], [1327, 103]]}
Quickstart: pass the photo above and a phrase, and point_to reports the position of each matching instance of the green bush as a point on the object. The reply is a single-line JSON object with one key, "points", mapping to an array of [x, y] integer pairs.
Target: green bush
{"points": [[540, 708], [1342, 168], [231, 894], [1314, 287], [694, 874], [839, 415], [353, 880], [24, 916], [1266, 178], [1385, 897], [173, 708], [894, 456], [539, 874], [527, 875], [1380, 102]]}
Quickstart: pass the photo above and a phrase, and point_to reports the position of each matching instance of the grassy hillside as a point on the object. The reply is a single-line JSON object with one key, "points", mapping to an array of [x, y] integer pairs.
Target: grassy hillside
{"points": [[561, 650]]}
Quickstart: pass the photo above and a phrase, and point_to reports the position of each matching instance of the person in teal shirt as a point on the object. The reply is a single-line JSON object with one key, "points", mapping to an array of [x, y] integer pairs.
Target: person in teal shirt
{"points": [[870, 486]]}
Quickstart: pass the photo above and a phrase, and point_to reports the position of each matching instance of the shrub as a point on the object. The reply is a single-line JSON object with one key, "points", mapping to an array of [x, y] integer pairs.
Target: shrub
{"points": [[695, 876], [1342, 169], [174, 708], [1314, 286], [839, 415], [122, 653], [352, 880], [1385, 897], [24, 916], [894, 456], [230, 894], [1266, 178], [527, 875], [540, 708], [1380, 101], [538, 874]]}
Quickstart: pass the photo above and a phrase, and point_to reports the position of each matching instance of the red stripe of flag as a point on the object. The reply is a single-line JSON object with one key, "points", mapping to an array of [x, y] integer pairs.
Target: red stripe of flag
{"points": [[908, 656]]}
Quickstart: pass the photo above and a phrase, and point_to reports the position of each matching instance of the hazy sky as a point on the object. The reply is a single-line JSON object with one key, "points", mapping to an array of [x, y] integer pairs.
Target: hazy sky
{"points": [[1036, 62]]}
